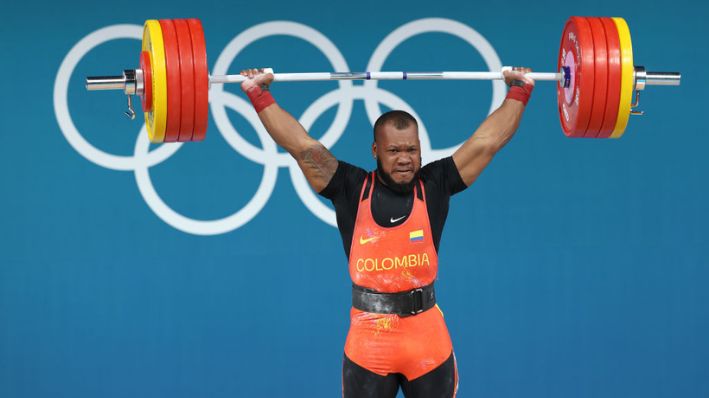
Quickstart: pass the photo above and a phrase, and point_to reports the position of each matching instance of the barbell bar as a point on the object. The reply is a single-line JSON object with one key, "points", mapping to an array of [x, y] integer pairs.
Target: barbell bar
{"points": [[598, 85]]}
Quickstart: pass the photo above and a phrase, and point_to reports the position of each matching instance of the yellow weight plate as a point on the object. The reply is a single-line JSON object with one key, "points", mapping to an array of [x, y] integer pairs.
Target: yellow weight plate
{"points": [[156, 119], [627, 80]]}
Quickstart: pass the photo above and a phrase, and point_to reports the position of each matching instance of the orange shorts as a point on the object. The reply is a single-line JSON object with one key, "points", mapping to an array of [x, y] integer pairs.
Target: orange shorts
{"points": [[387, 343]]}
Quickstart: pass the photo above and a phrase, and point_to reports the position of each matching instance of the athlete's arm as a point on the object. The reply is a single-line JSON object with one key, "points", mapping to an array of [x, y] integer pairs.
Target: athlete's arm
{"points": [[492, 135], [314, 159]]}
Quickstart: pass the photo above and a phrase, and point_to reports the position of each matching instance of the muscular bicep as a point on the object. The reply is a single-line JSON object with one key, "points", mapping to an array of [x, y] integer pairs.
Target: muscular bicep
{"points": [[493, 134], [318, 165], [471, 159]]}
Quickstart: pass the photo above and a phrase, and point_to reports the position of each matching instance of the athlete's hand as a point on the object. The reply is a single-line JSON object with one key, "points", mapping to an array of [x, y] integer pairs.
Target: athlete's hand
{"points": [[256, 78], [517, 75]]}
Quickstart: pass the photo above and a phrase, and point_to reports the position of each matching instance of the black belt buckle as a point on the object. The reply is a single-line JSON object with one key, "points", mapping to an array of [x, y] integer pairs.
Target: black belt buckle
{"points": [[416, 301]]}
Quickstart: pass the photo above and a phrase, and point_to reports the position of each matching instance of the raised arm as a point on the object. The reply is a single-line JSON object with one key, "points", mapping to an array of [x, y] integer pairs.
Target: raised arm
{"points": [[492, 135], [316, 162]]}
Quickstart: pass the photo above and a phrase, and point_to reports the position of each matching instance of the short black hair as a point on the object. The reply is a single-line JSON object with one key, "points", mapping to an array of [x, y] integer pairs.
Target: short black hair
{"points": [[399, 119]]}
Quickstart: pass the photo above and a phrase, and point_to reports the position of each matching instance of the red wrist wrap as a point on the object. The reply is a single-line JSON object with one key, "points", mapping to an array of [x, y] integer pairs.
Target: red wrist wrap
{"points": [[260, 99], [520, 93]]}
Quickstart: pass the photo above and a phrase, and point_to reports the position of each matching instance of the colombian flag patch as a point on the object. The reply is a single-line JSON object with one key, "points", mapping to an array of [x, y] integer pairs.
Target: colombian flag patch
{"points": [[416, 236]]}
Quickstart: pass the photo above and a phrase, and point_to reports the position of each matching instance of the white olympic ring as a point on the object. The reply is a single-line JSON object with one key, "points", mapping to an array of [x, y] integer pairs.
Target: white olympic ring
{"points": [[268, 155]]}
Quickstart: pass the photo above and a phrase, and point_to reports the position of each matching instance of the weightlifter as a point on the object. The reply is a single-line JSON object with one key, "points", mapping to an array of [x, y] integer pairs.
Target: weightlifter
{"points": [[391, 220]]}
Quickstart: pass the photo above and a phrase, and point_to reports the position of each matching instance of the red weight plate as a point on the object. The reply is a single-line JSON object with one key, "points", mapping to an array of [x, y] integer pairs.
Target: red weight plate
{"points": [[172, 64], [600, 76], [201, 80], [576, 53], [184, 44], [147, 98], [614, 78]]}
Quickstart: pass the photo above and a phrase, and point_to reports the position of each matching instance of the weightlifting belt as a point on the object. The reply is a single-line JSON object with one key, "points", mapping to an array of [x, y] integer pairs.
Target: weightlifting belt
{"points": [[406, 303]]}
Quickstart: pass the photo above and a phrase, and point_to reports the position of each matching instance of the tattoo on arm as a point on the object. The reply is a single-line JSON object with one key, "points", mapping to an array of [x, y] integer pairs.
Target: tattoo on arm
{"points": [[318, 165]]}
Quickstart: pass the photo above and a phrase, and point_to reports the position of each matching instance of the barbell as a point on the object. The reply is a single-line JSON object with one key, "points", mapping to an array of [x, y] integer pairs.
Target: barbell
{"points": [[598, 84]]}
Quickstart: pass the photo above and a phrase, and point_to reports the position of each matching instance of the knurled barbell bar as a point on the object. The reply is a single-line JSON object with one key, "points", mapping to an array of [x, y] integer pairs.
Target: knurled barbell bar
{"points": [[598, 84]]}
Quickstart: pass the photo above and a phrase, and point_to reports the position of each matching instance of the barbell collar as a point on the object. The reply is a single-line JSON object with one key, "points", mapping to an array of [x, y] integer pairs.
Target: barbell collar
{"points": [[139, 82], [130, 81], [640, 78]]}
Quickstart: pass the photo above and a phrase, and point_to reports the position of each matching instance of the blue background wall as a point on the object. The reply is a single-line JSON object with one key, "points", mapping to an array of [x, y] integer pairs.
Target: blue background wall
{"points": [[572, 268]]}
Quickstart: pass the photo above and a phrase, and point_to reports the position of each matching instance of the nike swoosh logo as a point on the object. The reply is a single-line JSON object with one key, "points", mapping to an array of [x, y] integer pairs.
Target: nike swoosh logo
{"points": [[393, 220], [363, 240]]}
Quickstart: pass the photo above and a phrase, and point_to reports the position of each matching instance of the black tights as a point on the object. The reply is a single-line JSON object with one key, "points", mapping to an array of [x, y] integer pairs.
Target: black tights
{"points": [[358, 382]]}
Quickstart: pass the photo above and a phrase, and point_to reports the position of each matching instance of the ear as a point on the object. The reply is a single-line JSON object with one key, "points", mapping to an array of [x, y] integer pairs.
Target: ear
{"points": [[374, 150]]}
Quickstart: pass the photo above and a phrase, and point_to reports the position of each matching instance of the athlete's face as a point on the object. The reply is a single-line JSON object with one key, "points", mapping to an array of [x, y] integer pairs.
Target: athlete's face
{"points": [[398, 154]]}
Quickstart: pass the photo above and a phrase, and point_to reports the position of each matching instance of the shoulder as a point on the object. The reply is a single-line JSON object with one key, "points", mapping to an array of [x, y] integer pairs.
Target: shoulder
{"points": [[348, 178], [442, 175]]}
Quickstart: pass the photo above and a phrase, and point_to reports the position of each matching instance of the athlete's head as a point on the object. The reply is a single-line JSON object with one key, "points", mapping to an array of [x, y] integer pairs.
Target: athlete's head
{"points": [[397, 150]]}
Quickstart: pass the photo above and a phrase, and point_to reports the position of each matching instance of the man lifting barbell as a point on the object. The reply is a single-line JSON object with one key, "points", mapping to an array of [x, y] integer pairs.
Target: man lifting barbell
{"points": [[391, 221]]}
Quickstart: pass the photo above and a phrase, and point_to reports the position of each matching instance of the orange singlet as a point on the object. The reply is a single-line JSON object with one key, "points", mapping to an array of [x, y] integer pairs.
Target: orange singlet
{"points": [[390, 260]]}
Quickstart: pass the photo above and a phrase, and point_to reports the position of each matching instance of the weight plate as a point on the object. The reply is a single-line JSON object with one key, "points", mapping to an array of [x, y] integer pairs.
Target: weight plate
{"points": [[576, 53], [156, 119], [627, 81], [172, 62], [201, 78], [147, 98], [614, 78], [600, 76], [184, 41]]}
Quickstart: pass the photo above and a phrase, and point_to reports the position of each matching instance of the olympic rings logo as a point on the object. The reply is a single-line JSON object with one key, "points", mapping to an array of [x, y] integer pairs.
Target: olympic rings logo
{"points": [[267, 155]]}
